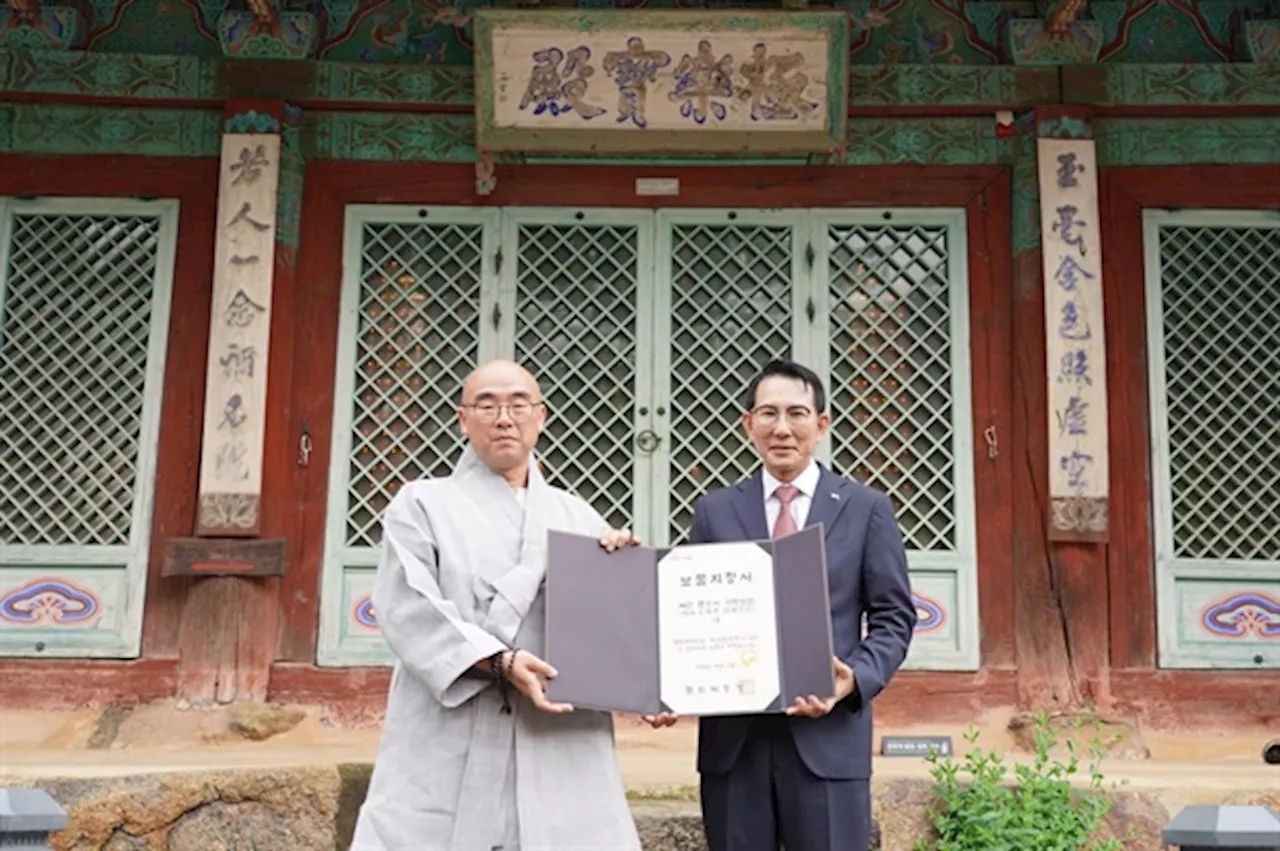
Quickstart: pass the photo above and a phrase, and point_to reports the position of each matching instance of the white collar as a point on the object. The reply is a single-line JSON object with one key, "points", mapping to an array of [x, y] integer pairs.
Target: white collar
{"points": [[806, 482]]}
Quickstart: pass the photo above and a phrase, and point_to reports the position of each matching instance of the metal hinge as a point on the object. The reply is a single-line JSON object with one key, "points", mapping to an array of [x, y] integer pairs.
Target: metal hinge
{"points": [[497, 262], [496, 316], [808, 254], [811, 310]]}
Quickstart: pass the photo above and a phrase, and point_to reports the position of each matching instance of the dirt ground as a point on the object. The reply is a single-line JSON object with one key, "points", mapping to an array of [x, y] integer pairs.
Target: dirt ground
{"points": [[165, 736]]}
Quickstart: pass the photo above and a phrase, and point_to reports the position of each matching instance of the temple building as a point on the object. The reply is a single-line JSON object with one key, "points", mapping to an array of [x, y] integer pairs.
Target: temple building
{"points": [[248, 251]]}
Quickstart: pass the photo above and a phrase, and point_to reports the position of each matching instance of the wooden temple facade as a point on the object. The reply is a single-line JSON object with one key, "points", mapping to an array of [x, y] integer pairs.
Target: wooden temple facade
{"points": [[247, 253]]}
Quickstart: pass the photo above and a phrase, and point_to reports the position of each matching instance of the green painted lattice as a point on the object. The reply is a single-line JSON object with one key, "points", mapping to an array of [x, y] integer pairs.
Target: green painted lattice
{"points": [[1213, 311], [77, 312], [576, 328], [731, 290], [84, 312], [418, 338], [644, 329], [891, 372]]}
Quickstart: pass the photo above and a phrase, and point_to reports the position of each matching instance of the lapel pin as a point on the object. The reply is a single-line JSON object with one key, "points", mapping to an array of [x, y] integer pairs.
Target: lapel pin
{"points": [[836, 497]]}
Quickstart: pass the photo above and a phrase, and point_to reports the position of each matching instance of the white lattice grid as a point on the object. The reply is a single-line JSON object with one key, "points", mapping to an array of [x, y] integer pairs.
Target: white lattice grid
{"points": [[75, 321], [730, 313], [891, 372], [417, 339], [1220, 308], [576, 291]]}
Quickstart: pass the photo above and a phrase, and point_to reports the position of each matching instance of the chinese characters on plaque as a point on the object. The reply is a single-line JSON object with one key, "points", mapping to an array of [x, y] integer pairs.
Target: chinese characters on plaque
{"points": [[1075, 338], [629, 82], [240, 323]]}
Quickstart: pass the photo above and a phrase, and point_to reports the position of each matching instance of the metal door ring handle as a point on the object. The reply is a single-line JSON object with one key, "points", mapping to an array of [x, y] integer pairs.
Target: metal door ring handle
{"points": [[647, 440]]}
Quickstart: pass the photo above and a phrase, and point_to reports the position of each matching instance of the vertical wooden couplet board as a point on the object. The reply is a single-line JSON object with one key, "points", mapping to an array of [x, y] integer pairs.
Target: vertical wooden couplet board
{"points": [[239, 336], [1075, 341]]}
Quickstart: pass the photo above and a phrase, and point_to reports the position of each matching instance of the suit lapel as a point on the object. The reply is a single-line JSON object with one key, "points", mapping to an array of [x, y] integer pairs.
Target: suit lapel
{"points": [[829, 500], [749, 504]]}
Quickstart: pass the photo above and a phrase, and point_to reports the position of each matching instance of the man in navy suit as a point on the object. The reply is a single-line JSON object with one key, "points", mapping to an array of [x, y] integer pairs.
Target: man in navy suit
{"points": [[802, 779]]}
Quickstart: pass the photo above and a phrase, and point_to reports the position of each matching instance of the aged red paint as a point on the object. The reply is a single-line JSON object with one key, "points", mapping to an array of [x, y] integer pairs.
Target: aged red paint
{"points": [[64, 684]]}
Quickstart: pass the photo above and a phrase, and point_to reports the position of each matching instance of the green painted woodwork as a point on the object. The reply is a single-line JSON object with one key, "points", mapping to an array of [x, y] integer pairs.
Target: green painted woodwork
{"points": [[41, 129], [445, 85], [289, 193], [1026, 194], [1244, 84], [106, 74], [1163, 141], [950, 85], [389, 137], [1029, 44], [190, 77]]}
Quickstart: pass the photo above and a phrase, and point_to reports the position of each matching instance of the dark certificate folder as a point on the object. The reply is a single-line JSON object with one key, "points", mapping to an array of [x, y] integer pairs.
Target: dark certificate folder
{"points": [[604, 615]]}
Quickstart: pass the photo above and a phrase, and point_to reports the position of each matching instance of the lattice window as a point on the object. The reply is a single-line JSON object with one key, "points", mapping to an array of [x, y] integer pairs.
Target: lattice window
{"points": [[731, 292], [1220, 320], [417, 339], [576, 314], [76, 302], [891, 372]]}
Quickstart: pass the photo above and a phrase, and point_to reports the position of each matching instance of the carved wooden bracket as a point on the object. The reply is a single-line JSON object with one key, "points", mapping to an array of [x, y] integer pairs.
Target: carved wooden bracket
{"points": [[25, 11], [1063, 16]]}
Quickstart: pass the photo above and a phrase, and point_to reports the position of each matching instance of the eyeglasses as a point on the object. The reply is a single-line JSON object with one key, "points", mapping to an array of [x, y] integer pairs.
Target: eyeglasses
{"points": [[488, 412], [768, 416]]}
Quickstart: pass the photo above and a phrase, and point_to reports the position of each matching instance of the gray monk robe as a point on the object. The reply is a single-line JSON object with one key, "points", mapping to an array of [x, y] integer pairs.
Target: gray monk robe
{"points": [[459, 579]]}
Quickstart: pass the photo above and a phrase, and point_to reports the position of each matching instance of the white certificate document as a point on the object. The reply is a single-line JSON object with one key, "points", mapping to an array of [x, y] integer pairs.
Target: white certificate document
{"points": [[717, 629]]}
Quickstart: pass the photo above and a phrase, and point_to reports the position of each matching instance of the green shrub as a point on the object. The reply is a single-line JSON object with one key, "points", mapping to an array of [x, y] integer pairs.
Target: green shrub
{"points": [[979, 807]]}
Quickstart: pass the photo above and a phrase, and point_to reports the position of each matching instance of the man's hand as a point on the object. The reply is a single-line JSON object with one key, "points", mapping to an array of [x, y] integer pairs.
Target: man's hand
{"points": [[618, 538], [526, 672], [662, 719], [814, 706]]}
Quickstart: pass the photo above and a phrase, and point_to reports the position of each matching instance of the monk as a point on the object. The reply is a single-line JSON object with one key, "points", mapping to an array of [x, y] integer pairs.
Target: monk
{"points": [[473, 756]]}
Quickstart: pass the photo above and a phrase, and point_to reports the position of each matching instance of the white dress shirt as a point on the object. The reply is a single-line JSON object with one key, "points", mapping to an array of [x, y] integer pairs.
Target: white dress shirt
{"points": [[806, 482]]}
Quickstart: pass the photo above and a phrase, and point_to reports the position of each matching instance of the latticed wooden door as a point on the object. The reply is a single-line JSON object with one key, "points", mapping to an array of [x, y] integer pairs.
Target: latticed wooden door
{"points": [[84, 316], [893, 339], [1213, 330], [644, 329], [411, 328]]}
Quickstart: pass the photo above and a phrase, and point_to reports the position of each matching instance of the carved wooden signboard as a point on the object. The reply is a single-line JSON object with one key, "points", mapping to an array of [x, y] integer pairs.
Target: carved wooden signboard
{"points": [[1075, 337], [681, 82], [236, 388], [204, 557]]}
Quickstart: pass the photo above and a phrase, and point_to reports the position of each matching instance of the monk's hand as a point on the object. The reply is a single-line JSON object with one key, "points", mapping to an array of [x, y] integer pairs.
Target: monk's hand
{"points": [[814, 706], [662, 719], [618, 538], [528, 674]]}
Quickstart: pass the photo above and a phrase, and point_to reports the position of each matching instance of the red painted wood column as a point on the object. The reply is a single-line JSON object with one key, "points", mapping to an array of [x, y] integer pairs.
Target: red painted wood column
{"points": [[231, 617], [1061, 602]]}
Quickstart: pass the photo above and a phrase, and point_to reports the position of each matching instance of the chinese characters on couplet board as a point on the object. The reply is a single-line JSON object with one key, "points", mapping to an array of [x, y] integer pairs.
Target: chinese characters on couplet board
{"points": [[235, 398], [717, 624], [1075, 342]]}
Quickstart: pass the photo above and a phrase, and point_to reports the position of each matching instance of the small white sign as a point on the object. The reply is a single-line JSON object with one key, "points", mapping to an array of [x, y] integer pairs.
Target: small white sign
{"points": [[657, 186]]}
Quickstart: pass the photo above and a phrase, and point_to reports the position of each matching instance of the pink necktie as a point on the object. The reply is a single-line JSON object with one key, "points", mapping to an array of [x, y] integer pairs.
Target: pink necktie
{"points": [[785, 524]]}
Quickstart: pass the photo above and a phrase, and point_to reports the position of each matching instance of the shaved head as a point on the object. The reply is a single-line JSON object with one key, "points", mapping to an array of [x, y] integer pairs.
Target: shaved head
{"points": [[498, 371], [501, 413]]}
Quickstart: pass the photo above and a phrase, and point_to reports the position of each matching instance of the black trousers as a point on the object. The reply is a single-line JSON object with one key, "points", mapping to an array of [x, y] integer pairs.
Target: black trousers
{"points": [[770, 800]]}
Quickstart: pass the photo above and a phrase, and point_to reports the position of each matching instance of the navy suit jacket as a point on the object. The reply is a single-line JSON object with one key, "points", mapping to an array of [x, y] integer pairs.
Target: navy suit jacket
{"points": [[867, 575]]}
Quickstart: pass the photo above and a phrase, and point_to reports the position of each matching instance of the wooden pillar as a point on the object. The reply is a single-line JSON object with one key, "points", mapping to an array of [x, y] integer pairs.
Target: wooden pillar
{"points": [[232, 613], [1061, 602]]}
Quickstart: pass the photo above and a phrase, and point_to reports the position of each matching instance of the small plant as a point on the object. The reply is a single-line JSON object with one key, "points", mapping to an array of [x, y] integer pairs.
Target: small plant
{"points": [[980, 807]]}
